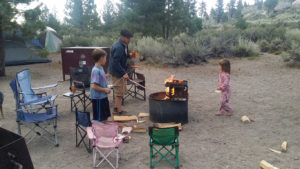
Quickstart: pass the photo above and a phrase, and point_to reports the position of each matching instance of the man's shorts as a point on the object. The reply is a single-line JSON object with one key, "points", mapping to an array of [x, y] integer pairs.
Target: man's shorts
{"points": [[119, 86]]}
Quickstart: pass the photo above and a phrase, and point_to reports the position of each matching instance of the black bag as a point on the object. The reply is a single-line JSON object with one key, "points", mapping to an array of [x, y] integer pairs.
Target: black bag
{"points": [[13, 151]]}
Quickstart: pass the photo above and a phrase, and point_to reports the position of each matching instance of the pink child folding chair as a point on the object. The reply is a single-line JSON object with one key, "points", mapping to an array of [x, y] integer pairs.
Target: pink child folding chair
{"points": [[106, 136]]}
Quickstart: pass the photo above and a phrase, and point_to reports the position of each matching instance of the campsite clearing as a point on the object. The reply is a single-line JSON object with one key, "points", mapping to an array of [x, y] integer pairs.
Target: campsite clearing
{"points": [[263, 89]]}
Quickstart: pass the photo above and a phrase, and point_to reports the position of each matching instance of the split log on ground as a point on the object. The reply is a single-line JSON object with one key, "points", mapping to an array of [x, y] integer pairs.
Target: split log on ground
{"points": [[168, 125], [245, 119], [141, 121], [265, 165], [143, 115], [139, 129], [284, 146], [125, 118], [275, 151]]}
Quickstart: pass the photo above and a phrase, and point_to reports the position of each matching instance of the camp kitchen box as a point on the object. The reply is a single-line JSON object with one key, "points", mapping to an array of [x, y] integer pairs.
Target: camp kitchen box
{"points": [[78, 56], [13, 151]]}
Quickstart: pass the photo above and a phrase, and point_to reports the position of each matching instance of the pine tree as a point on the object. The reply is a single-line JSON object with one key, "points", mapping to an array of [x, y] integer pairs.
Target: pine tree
{"points": [[82, 14], [270, 5], [49, 18], [74, 13], [220, 11], [259, 4], [239, 9], [158, 17], [108, 15], [231, 8], [90, 15], [202, 9], [31, 25], [213, 14], [53, 22]]}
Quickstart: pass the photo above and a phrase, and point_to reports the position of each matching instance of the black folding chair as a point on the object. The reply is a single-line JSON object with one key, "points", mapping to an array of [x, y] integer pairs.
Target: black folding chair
{"points": [[82, 121], [80, 79], [133, 89]]}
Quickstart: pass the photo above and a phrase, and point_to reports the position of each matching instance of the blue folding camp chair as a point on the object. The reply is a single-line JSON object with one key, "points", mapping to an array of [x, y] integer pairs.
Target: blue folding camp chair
{"points": [[29, 97], [35, 121], [82, 122]]}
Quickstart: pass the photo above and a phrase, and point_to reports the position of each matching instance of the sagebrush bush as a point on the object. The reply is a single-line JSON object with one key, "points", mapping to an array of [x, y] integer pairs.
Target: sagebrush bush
{"points": [[244, 48], [151, 50], [180, 50], [254, 33], [72, 40], [264, 32], [276, 45], [286, 57], [221, 42], [295, 53], [293, 35], [264, 46], [43, 53], [103, 41]]}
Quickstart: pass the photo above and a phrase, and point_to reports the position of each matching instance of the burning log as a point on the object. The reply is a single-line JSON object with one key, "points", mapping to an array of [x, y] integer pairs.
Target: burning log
{"points": [[171, 105]]}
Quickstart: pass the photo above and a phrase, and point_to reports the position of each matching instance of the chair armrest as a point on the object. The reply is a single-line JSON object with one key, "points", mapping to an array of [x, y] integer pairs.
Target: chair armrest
{"points": [[41, 94], [27, 93], [40, 101], [90, 134], [45, 87]]}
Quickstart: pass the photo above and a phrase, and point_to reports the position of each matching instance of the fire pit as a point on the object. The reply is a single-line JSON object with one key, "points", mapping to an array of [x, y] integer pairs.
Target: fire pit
{"points": [[171, 105]]}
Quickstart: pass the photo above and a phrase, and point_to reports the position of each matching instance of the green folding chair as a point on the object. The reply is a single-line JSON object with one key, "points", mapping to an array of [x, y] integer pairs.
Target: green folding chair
{"points": [[162, 139]]}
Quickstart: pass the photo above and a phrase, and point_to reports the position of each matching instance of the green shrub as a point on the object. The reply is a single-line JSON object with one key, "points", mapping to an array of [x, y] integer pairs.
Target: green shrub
{"points": [[276, 45], [286, 57], [43, 53], [180, 50], [264, 32], [293, 35], [151, 50], [295, 53], [72, 40], [254, 33], [103, 41], [245, 48], [264, 46], [241, 23], [221, 42]]}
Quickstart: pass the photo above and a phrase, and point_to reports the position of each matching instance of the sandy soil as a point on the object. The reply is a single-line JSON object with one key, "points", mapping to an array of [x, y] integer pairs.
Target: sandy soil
{"points": [[263, 89]]}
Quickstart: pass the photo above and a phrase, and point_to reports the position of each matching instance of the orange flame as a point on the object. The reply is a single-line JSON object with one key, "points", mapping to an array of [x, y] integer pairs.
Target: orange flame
{"points": [[170, 79]]}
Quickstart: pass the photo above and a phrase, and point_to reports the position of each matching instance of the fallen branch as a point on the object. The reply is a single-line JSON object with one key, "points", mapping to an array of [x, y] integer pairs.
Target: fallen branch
{"points": [[265, 165], [275, 151]]}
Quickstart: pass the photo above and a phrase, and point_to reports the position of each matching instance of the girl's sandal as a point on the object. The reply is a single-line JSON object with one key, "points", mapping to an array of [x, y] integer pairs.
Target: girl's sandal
{"points": [[229, 114], [219, 114]]}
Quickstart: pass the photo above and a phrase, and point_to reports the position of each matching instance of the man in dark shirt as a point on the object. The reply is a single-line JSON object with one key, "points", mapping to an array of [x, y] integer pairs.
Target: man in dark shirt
{"points": [[117, 68]]}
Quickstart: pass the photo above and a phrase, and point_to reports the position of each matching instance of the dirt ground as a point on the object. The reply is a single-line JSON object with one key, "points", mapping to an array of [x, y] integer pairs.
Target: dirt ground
{"points": [[262, 88]]}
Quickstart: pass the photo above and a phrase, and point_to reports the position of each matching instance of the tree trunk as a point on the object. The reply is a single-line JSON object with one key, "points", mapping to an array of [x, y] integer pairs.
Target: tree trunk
{"points": [[168, 21], [2, 52]]}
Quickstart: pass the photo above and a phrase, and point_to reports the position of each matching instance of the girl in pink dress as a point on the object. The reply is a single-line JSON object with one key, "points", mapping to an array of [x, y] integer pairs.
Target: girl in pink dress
{"points": [[224, 87]]}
